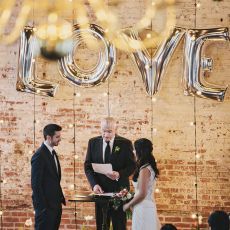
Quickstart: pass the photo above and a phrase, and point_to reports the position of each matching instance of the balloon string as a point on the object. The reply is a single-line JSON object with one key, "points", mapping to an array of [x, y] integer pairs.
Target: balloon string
{"points": [[74, 131], [1, 181], [74, 157], [108, 98], [151, 72], [195, 14], [195, 140], [195, 162]]}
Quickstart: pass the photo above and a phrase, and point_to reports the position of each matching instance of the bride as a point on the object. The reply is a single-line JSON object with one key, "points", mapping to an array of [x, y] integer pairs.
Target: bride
{"points": [[143, 206]]}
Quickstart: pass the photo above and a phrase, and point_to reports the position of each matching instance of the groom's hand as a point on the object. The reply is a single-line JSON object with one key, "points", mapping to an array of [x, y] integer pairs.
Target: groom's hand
{"points": [[113, 175], [97, 189]]}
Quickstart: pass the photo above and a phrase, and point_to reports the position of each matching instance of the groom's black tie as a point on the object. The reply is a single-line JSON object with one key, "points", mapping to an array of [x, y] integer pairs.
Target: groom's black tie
{"points": [[107, 152], [54, 154]]}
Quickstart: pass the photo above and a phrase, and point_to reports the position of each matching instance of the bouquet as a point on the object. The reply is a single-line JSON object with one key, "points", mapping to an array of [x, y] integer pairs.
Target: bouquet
{"points": [[121, 198]]}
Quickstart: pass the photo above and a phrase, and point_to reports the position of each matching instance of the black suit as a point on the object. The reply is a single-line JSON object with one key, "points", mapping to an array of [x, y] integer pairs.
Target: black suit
{"points": [[122, 160], [47, 192]]}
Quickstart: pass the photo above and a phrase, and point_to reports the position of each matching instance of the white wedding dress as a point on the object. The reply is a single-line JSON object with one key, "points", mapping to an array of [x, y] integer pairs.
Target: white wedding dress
{"points": [[144, 215]]}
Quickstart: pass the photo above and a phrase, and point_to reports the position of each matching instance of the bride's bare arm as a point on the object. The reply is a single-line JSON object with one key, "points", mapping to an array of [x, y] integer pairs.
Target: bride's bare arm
{"points": [[143, 181]]}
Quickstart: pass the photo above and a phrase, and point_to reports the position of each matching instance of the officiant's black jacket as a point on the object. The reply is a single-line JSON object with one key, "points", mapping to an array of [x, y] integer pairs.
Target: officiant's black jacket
{"points": [[45, 180], [122, 160]]}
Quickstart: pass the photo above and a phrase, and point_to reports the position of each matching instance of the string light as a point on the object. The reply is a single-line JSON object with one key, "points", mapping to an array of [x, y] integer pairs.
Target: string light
{"points": [[154, 99], [28, 222], [71, 186], [194, 216]]}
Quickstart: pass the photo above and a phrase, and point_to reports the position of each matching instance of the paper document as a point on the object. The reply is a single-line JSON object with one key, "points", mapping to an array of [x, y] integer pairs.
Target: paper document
{"points": [[110, 194], [102, 168]]}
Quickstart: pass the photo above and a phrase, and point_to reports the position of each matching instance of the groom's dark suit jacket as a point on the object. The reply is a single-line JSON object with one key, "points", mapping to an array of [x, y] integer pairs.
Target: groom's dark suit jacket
{"points": [[45, 180], [122, 160]]}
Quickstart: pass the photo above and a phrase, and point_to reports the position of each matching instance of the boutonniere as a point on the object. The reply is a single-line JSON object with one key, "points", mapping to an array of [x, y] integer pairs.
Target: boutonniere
{"points": [[117, 149]]}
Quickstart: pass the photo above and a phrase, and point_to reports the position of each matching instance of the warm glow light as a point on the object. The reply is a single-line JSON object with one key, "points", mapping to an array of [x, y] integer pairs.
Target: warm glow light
{"points": [[71, 186], [193, 216], [53, 30], [154, 99]]}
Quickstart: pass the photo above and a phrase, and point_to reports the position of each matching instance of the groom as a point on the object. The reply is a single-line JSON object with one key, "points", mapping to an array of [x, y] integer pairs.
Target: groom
{"points": [[110, 148]]}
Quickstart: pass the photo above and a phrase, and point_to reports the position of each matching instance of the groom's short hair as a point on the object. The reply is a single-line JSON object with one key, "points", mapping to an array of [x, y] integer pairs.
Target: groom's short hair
{"points": [[50, 129]]}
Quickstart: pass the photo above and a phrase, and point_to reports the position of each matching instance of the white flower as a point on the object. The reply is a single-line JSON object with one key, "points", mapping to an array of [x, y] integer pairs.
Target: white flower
{"points": [[129, 196], [117, 149], [28, 222], [88, 218]]}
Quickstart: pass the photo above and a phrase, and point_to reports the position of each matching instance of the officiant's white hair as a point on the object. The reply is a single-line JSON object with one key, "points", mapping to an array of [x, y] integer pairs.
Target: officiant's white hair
{"points": [[108, 122]]}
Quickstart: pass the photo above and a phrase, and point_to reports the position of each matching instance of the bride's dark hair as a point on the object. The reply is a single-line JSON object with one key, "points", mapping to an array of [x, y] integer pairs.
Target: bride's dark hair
{"points": [[144, 148]]}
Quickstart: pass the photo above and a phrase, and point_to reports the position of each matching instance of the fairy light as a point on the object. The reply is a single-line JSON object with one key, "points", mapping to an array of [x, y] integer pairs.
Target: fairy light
{"points": [[78, 94], [76, 157], [71, 186], [105, 94], [28, 222], [70, 125], [154, 131], [194, 216], [148, 35], [1, 121], [30, 152], [200, 219], [157, 190], [154, 99]]}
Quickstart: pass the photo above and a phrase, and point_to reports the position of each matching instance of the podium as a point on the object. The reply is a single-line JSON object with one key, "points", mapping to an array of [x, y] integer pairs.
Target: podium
{"points": [[99, 199]]}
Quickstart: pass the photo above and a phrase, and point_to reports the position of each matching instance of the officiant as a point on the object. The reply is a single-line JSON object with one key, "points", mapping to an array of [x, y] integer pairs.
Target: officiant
{"points": [[118, 151]]}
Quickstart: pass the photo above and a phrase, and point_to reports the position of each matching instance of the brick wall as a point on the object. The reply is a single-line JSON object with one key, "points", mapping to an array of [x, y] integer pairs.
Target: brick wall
{"points": [[171, 115]]}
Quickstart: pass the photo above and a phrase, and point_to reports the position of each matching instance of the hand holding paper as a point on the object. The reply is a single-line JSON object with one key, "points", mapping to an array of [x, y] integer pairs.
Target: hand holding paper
{"points": [[102, 168]]}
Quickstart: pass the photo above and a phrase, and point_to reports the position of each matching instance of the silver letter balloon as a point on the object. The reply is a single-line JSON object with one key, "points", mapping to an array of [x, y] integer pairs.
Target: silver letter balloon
{"points": [[26, 79], [107, 58], [153, 68], [194, 41]]}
